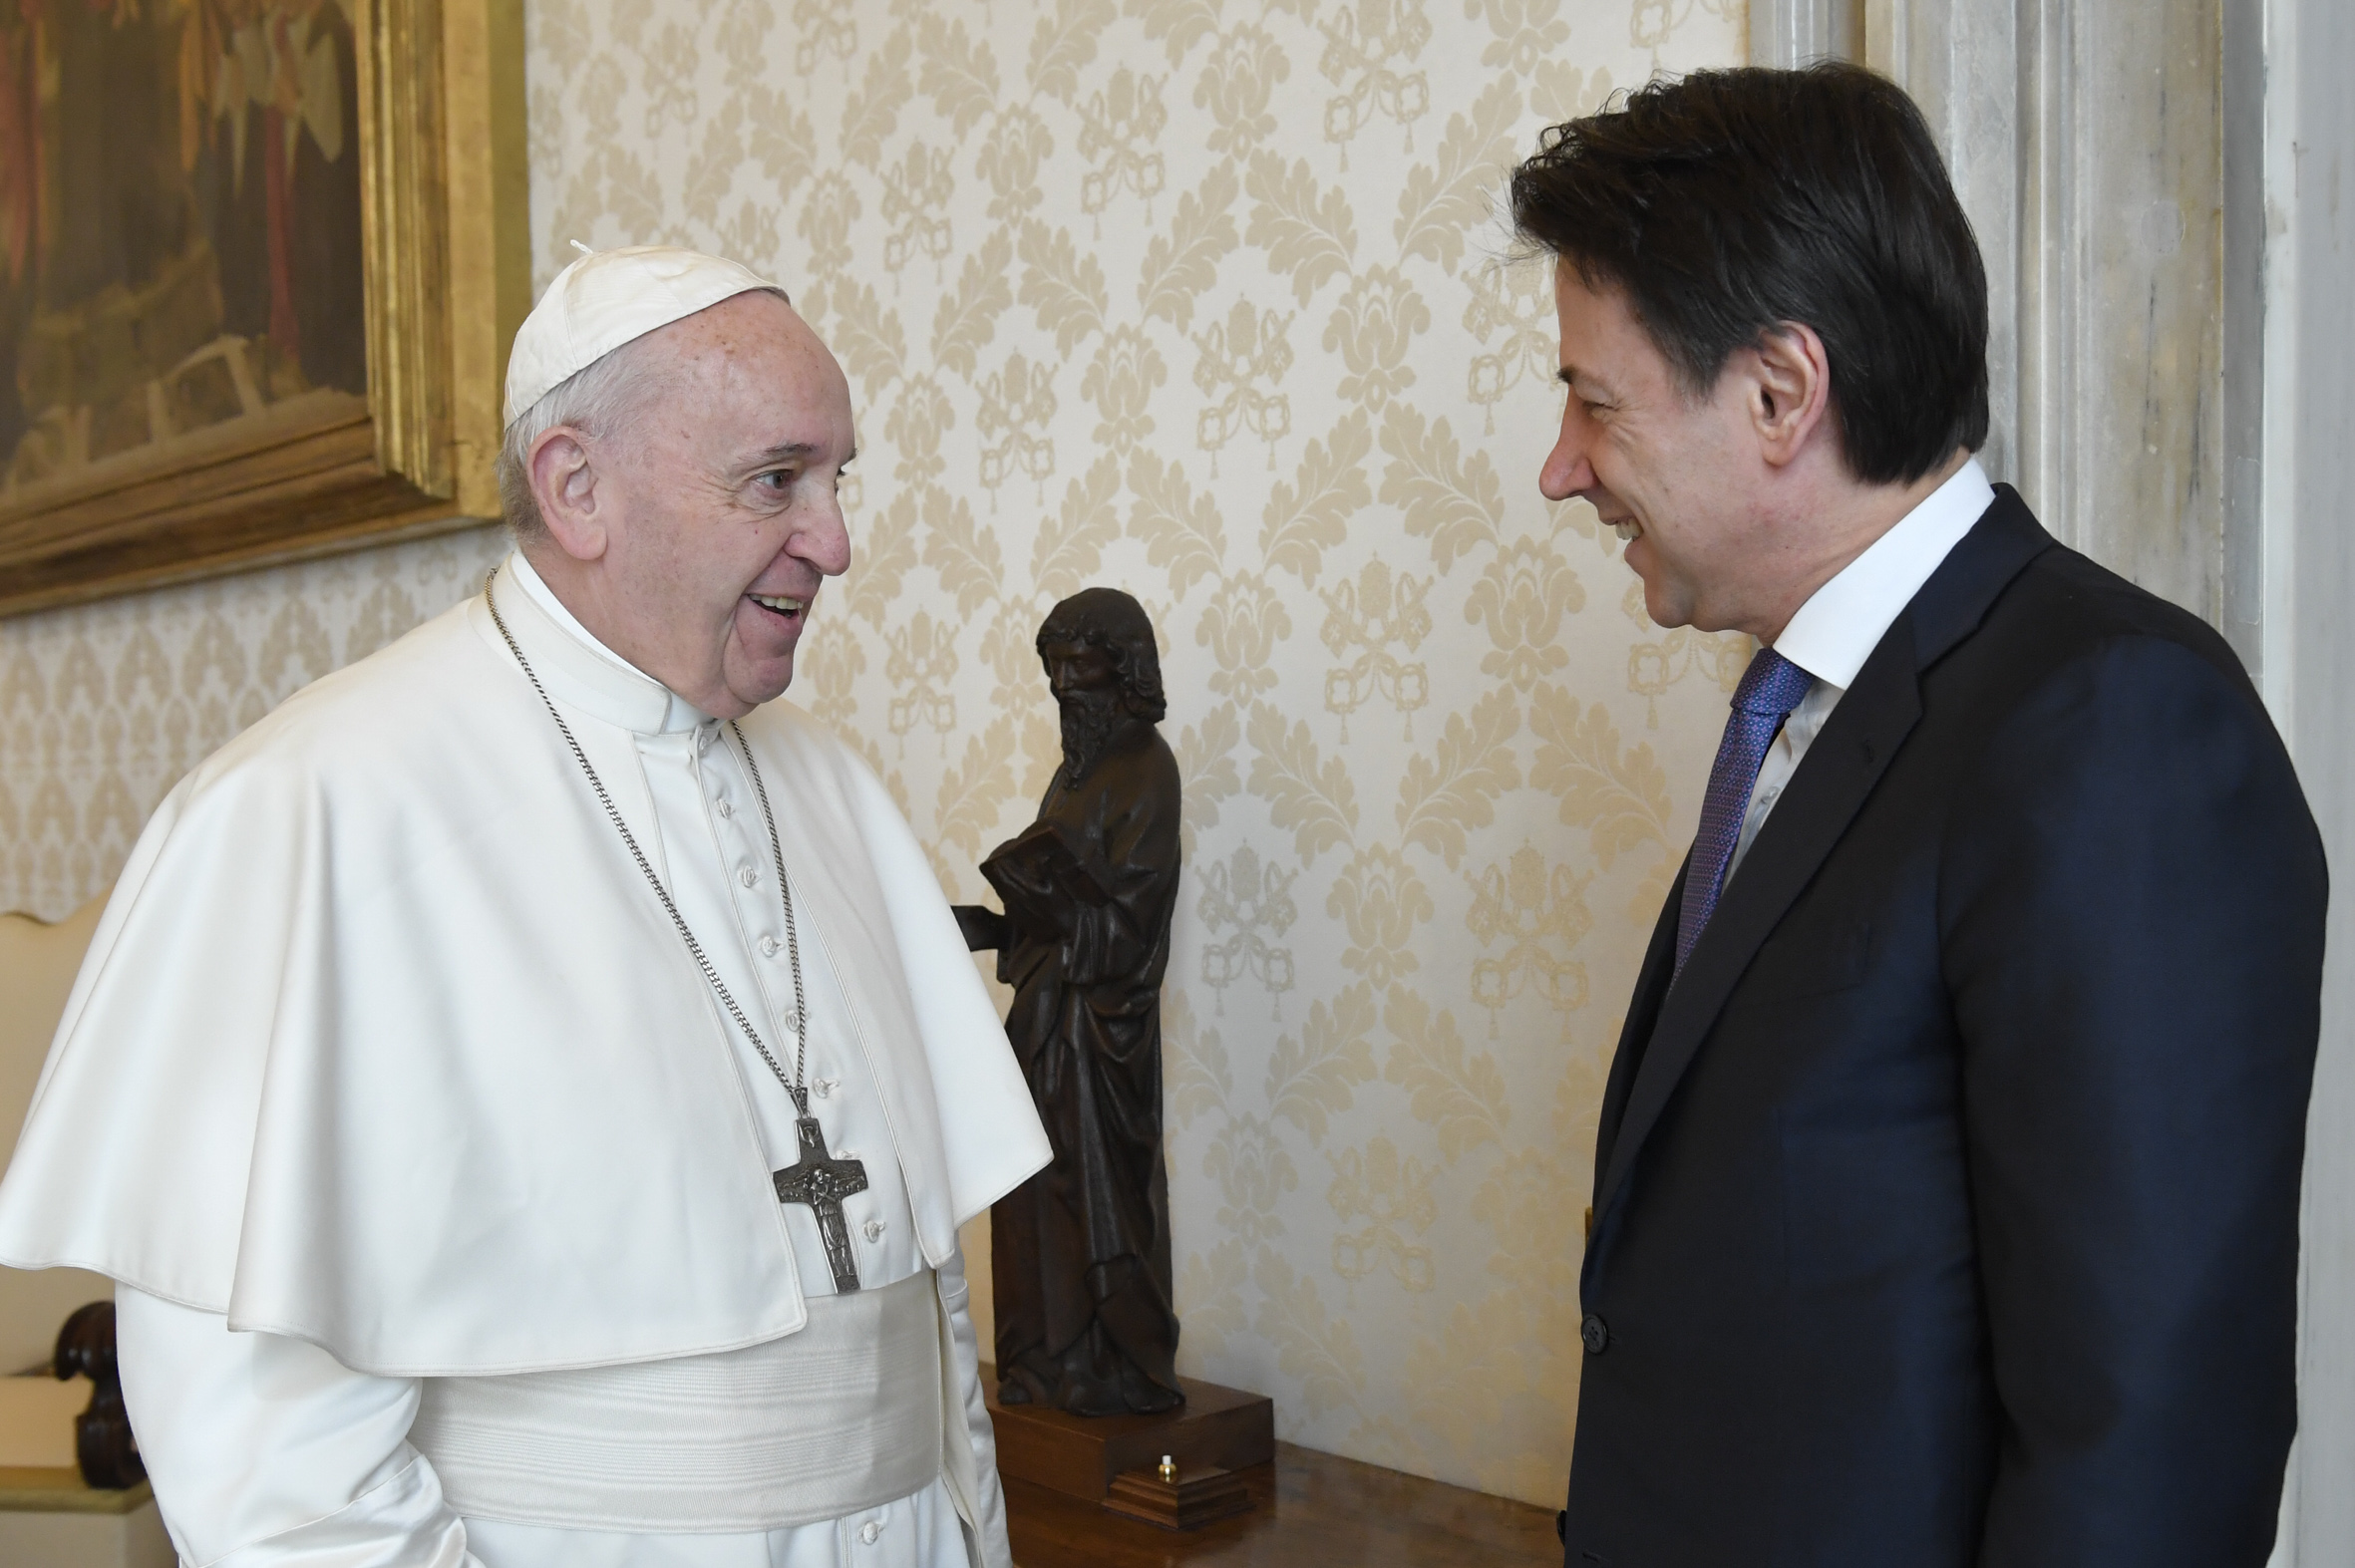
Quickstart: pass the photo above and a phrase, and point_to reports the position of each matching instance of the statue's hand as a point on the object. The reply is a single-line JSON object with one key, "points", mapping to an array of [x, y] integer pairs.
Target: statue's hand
{"points": [[983, 928]]}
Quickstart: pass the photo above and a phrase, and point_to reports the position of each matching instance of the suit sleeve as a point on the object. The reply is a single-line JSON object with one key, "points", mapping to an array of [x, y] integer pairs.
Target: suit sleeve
{"points": [[2132, 894]]}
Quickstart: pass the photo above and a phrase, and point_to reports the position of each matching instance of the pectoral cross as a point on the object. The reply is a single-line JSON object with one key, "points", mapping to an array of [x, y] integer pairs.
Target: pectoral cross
{"points": [[822, 1183]]}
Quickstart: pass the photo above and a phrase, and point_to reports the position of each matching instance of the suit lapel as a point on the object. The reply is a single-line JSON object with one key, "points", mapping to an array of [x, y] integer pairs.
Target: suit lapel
{"points": [[1643, 1013], [1832, 785]]}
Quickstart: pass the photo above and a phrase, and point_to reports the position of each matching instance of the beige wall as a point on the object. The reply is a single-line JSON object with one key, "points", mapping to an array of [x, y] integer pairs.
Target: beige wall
{"points": [[1202, 301], [104, 707]]}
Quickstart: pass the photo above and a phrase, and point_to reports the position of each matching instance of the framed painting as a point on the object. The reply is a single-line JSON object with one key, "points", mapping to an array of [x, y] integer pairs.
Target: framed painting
{"points": [[260, 261]]}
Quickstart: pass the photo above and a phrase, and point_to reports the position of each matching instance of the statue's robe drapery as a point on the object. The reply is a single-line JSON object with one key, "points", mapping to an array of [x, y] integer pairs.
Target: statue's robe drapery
{"points": [[1079, 1253]]}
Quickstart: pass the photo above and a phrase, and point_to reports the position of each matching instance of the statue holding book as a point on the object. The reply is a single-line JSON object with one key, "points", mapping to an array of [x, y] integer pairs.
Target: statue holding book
{"points": [[1079, 1253]]}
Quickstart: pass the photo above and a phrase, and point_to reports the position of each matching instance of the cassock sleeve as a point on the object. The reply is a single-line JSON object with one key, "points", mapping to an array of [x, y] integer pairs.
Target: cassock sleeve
{"points": [[268, 1452], [991, 1550], [2134, 896]]}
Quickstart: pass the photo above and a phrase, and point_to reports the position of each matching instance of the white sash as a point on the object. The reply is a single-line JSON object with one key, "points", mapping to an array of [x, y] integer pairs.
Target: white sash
{"points": [[843, 1415]]}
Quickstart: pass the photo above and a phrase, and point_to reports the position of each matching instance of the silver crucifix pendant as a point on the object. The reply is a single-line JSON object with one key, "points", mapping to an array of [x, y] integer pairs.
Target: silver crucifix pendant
{"points": [[822, 1183]]}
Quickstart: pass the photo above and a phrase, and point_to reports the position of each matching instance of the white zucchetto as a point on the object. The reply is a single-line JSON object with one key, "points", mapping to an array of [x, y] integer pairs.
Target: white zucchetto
{"points": [[606, 299]]}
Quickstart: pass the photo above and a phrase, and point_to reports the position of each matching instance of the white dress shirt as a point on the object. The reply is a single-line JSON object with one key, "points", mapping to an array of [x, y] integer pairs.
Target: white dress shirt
{"points": [[270, 1453], [1836, 631]]}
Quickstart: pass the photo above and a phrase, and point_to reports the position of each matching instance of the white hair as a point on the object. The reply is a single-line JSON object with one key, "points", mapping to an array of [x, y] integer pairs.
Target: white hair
{"points": [[593, 399], [596, 400]]}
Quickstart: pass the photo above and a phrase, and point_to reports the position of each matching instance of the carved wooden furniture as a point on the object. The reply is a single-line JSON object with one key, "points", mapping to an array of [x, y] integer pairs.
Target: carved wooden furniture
{"points": [[50, 1514], [37, 967], [104, 1450]]}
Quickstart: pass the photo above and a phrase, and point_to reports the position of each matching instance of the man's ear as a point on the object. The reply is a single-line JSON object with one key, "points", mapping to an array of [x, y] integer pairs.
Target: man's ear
{"points": [[1789, 390], [565, 484]]}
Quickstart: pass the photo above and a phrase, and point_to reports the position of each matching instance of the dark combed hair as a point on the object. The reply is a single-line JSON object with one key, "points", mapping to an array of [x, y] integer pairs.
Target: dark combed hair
{"points": [[1728, 202]]}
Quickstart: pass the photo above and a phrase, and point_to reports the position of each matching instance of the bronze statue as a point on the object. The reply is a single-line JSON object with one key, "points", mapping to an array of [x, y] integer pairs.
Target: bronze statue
{"points": [[1079, 1253]]}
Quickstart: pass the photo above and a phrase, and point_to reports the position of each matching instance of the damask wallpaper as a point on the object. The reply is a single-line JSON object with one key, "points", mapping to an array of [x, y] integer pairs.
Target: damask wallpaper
{"points": [[1205, 299], [105, 706]]}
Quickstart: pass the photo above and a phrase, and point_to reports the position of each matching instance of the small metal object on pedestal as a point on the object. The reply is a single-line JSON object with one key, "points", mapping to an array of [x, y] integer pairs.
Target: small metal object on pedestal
{"points": [[1178, 1499], [1217, 1431]]}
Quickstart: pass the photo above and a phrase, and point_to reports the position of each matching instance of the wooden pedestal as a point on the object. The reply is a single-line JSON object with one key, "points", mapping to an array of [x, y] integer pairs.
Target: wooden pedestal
{"points": [[1079, 1455], [1310, 1510], [1184, 1501]]}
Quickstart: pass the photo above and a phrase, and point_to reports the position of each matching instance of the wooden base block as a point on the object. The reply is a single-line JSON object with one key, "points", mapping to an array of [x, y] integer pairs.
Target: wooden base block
{"points": [[1217, 1428], [1309, 1511], [1192, 1501]]}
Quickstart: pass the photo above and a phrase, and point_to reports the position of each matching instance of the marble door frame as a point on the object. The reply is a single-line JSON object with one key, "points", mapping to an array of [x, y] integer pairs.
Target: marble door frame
{"points": [[2308, 575], [2106, 151]]}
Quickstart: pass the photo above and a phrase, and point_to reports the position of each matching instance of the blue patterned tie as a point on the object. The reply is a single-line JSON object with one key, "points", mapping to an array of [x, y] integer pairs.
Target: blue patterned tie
{"points": [[1770, 689]]}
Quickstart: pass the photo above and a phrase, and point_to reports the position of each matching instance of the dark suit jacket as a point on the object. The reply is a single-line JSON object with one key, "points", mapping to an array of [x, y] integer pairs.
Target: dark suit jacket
{"points": [[1946, 1206]]}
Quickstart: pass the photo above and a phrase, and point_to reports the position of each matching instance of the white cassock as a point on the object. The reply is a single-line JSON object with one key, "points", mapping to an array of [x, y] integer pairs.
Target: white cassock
{"points": [[435, 1182]]}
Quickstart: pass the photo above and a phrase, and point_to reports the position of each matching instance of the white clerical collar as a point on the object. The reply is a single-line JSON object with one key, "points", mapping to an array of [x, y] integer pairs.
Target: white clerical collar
{"points": [[580, 670], [1836, 631]]}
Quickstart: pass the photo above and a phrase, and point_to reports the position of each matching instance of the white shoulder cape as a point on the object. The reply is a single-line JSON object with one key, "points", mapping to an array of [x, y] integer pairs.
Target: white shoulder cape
{"points": [[384, 1044]]}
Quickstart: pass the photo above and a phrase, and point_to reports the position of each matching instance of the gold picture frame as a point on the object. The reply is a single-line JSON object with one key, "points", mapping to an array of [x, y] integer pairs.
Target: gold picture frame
{"points": [[444, 251]]}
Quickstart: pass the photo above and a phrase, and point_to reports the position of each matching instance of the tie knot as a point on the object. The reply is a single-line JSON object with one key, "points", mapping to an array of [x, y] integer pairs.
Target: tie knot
{"points": [[1772, 685]]}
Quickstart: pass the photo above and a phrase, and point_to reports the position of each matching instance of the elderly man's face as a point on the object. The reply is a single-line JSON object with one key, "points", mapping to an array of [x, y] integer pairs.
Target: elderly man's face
{"points": [[719, 507]]}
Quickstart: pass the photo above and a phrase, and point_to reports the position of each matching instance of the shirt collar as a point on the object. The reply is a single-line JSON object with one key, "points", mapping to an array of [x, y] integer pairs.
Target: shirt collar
{"points": [[1841, 624], [580, 670]]}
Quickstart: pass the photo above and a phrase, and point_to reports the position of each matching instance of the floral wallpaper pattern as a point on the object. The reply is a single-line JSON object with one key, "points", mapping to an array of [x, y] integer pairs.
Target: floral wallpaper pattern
{"points": [[103, 707], [1206, 299]]}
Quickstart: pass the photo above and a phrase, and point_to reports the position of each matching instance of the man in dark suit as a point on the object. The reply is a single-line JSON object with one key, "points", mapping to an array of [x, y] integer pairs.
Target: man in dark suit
{"points": [[1945, 1195]]}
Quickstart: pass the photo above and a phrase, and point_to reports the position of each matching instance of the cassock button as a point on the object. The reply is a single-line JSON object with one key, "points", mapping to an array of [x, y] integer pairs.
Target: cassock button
{"points": [[747, 877], [1595, 1332], [768, 947], [873, 1229], [870, 1532], [725, 809]]}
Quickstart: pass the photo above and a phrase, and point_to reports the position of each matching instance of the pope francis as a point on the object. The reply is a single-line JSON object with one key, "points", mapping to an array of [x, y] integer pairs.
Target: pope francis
{"points": [[527, 1087]]}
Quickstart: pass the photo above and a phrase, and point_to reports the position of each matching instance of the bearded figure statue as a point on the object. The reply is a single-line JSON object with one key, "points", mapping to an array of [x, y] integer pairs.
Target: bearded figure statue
{"points": [[1079, 1253]]}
